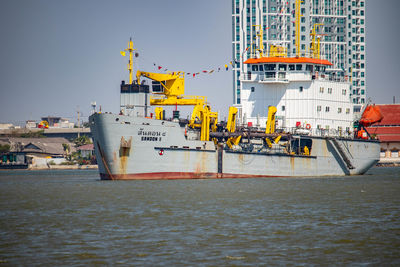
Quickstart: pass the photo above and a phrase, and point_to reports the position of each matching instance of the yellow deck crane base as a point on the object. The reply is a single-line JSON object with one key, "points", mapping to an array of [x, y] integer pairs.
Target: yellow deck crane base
{"points": [[270, 126], [231, 127]]}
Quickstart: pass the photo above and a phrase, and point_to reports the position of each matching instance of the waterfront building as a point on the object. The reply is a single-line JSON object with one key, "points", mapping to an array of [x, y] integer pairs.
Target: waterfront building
{"points": [[337, 27], [38, 152], [388, 133]]}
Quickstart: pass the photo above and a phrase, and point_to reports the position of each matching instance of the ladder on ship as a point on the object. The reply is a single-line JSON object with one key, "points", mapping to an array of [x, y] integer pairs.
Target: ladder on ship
{"points": [[342, 154]]}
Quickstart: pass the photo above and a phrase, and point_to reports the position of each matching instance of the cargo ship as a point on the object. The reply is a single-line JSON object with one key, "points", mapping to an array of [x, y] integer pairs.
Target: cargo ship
{"points": [[283, 127]]}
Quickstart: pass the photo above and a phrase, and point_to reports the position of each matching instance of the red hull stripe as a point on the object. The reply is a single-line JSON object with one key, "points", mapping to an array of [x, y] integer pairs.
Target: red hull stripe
{"points": [[176, 175]]}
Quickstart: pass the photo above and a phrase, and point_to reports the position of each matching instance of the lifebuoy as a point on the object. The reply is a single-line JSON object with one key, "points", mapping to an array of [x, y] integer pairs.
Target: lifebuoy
{"points": [[308, 126]]}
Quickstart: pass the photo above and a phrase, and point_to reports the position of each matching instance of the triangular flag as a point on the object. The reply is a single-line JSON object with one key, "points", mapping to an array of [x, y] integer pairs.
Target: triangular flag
{"points": [[122, 53], [204, 71], [226, 66], [219, 69], [194, 74], [159, 67], [211, 71]]}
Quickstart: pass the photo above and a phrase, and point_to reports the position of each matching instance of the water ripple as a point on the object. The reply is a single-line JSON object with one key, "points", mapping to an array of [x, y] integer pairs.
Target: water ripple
{"points": [[72, 218]]}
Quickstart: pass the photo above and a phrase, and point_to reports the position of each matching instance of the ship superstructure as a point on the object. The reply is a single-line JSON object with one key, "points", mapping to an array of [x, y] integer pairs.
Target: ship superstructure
{"points": [[306, 96]]}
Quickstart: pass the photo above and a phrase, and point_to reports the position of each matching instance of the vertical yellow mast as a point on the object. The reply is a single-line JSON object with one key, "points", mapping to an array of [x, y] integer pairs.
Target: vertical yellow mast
{"points": [[130, 64], [297, 22], [315, 44], [259, 33]]}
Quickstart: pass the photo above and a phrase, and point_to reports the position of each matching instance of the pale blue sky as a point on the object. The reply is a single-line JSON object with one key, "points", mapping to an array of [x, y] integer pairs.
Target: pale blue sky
{"points": [[58, 55]]}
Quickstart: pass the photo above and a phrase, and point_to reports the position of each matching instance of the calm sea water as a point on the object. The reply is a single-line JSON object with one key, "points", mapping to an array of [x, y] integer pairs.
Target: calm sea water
{"points": [[57, 218]]}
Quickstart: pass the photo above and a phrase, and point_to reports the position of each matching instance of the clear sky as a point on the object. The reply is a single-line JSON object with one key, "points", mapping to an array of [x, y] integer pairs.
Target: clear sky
{"points": [[58, 56]]}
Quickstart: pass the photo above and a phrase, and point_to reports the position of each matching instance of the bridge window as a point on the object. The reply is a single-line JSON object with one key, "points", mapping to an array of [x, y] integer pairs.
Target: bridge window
{"points": [[252, 88], [282, 67], [270, 74], [299, 67], [254, 67], [261, 68], [270, 66], [291, 66]]}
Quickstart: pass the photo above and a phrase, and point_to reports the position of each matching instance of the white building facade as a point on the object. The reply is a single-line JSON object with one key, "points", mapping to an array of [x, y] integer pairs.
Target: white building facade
{"points": [[339, 24]]}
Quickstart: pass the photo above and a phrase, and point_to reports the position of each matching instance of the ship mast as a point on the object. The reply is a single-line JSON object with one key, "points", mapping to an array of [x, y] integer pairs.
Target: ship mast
{"points": [[130, 63], [315, 44], [259, 34]]}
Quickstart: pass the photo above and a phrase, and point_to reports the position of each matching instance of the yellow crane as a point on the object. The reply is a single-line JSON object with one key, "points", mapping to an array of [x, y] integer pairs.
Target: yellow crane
{"points": [[173, 95], [231, 127], [270, 127]]}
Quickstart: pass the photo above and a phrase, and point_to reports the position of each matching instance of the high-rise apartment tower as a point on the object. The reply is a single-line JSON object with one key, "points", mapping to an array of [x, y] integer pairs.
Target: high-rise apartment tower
{"points": [[339, 25]]}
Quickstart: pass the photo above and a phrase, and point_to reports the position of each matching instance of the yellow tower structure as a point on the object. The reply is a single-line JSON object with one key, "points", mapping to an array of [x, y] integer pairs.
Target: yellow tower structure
{"points": [[130, 63], [297, 22], [315, 44], [259, 33]]}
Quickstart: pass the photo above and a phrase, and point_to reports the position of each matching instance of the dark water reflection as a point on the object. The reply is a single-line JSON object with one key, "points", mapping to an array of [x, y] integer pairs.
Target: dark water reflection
{"points": [[72, 218]]}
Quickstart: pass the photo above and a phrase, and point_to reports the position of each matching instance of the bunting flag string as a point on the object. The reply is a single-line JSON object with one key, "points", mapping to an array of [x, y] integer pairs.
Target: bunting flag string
{"points": [[195, 74]]}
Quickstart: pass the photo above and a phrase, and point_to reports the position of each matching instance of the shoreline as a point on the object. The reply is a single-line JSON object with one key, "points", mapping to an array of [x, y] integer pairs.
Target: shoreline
{"points": [[55, 167], [388, 164], [64, 167]]}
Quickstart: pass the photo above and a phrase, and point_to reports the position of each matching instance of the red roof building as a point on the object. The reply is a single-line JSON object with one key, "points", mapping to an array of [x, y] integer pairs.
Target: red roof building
{"points": [[388, 132]]}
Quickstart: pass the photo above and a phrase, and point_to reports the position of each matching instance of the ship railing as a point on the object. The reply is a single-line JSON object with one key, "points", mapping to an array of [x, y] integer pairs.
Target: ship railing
{"points": [[318, 132], [282, 76], [266, 77], [274, 77], [248, 77], [185, 97], [328, 77]]}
